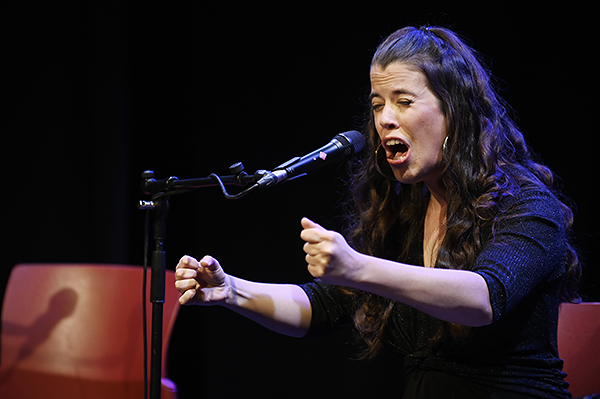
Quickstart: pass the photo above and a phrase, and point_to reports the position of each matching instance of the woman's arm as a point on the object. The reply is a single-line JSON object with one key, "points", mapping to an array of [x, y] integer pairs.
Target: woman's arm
{"points": [[456, 296], [283, 308]]}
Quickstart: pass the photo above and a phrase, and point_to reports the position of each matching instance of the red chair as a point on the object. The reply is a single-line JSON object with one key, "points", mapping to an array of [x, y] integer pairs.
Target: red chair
{"points": [[579, 346], [75, 331]]}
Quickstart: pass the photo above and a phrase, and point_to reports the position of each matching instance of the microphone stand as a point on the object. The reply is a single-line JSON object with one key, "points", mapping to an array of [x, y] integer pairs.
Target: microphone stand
{"points": [[157, 292], [161, 190]]}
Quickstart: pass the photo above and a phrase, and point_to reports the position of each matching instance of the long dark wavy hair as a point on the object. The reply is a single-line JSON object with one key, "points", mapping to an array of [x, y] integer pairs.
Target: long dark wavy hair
{"points": [[485, 160]]}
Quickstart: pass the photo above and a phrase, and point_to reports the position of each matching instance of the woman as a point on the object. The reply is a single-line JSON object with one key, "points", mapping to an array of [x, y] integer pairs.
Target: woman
{"points": [[459, 251]]}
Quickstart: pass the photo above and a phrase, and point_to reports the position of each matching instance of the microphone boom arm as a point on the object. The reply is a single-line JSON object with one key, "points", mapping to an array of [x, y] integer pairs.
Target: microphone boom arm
{"points": [[172, 185]]}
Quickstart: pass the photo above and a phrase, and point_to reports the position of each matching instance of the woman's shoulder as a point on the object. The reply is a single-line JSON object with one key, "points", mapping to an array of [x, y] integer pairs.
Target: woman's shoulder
{"points": [[533, 199]]}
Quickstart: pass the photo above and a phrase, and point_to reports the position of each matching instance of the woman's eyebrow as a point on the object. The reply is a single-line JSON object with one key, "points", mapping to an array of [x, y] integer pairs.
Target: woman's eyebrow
{"points": [[396, 92]]}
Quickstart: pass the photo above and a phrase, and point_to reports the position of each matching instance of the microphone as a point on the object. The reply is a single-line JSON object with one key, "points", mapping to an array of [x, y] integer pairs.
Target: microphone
{"points": [[341, 148]]}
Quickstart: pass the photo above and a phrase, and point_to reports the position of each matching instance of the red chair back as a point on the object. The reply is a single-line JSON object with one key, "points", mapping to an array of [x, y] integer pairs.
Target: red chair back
{"points": [[579, 346], [75, 331]]}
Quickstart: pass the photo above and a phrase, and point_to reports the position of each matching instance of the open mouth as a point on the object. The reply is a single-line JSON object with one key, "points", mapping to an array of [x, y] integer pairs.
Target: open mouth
{"points": [[397, 148]]}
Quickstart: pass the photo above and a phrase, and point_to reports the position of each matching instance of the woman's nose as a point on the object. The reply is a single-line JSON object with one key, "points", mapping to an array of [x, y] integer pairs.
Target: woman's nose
{"points": [[388, 119]]}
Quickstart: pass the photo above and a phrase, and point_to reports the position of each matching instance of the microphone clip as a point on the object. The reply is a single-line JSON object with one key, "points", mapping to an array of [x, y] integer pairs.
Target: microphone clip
{"points": [[278, 175]]}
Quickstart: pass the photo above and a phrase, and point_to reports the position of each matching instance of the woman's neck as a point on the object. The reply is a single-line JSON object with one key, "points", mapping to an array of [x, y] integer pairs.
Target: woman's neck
{"points": [[435, 226]]}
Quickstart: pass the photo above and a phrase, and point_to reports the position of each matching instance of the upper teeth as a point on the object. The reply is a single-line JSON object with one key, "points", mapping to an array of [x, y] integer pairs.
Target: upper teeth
{"points": [[393, 142]]}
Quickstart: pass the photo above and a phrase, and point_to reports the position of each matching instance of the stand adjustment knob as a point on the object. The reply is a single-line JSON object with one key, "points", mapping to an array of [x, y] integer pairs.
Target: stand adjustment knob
{"points": [[236, 168], [147, 174]]}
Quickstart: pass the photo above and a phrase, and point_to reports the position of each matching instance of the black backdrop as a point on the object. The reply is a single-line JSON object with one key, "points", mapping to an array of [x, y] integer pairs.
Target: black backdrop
{"points": [[97, 93]]}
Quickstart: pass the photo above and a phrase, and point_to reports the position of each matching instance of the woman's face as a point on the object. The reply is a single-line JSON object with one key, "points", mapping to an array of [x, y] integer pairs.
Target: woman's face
{"points": [[409, 121]]}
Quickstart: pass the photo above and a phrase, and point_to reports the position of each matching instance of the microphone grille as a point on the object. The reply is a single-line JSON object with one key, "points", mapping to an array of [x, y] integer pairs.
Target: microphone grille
{"points": [[356, 141]]}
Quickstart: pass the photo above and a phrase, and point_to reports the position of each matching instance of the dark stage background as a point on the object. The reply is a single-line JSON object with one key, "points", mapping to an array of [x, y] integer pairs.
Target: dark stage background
{"points": [[97, 93]]}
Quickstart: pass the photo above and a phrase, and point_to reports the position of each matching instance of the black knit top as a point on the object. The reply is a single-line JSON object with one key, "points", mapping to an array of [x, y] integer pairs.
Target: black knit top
{"points": [[522, 265]]}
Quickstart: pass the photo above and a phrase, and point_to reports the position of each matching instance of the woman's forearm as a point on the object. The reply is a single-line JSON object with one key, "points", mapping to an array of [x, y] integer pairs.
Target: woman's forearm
{"points": [[283, 308], [457, 296]]}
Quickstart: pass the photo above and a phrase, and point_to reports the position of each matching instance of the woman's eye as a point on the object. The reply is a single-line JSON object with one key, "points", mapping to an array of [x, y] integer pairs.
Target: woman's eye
{"points": [[405, 102], [377, 107]]}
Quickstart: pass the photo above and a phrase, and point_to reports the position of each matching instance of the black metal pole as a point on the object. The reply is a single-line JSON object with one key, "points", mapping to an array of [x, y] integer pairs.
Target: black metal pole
{"points": [[157, 294]]}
